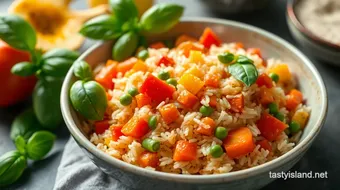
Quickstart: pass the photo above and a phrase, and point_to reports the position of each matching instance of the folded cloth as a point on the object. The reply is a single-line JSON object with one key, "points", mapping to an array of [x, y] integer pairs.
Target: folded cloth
{"points": [[76, 171]]}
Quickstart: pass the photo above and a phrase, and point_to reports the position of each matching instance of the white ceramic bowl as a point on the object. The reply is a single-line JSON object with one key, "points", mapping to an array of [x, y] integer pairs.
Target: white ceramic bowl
{"points": [[311, 85]]}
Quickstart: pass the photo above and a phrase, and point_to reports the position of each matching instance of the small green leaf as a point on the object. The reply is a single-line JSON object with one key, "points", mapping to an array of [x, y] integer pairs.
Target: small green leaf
{"points": [[103, 27], [89, 99], [247, 73], [244, 60], [20, 144], [12, 165], [125, 46], [61, 53], [82, 70], [161, 18], [17, 32], [124, 9], [24, 69], [40, 144]]}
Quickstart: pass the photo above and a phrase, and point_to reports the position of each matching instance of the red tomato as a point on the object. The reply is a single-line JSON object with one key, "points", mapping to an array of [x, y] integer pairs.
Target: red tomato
{"points": [[13, 88]]}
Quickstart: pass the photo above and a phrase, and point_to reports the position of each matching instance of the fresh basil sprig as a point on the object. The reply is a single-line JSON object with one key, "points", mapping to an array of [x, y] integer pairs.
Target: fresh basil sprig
{"points": [[82, 70], [40, 143], [125, 46], [12, 165], [124, 9], [25, 125]]}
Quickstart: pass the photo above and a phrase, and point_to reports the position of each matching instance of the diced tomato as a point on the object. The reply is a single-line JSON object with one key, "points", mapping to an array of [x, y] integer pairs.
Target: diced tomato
{"points": [[157, 45], [185, 151], [116, 132], [212, 80], [270, 127], [265, 144], [136, 127], [236, 103], [156, 89], [148, 159], [213, 101], [106, 75], [255, 51], [101, 126], [239, 142], [264, 80], [209, 38], [166, 61]]}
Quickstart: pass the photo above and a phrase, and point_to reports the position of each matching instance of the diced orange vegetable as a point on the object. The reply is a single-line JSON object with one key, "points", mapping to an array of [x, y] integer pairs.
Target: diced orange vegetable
{"points": [[126, 65], [169, 113], [265, 145], [148, 159], [142, 100], [213, 101], [264, 80], [101, 126], [236, 103], [136, 127], [208, 128], [184, 38], [301, 117], [187, 99], [196, 56], [186, 47], [156, 89], [165, 60], [116, 132], [190, 82], [212, 80], [209, 38], [239, 142], [270, 127], [111, 62], [109, 97], [195, 71], [254, 51], [106, 75], [283, 71], [294, 98], [265, 96], [140, 66], [239, 45], [185, 151], [157, 45]]}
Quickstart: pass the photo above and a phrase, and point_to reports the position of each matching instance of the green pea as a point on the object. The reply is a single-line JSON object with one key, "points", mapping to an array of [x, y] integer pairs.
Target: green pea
{"points": [[152, 122], [164, 75], [226, 58], [221, 133], [206, 110], [294, 127], [216, 151], [172, 82], [275, 77], [273, 108], [126, 99], [143, 55], [280, 116], [133, 91], [151, 145]]}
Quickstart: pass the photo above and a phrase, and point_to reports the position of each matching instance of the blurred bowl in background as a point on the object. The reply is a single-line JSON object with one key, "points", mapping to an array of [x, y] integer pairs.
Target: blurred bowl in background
{"points": [[235, 6]]}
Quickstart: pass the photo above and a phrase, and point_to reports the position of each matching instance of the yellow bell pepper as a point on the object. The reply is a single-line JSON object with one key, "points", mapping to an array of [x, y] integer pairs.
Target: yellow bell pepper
{"points": [[283, 71], [196, 72], [191, 82], [301, 118], [196, 57]]}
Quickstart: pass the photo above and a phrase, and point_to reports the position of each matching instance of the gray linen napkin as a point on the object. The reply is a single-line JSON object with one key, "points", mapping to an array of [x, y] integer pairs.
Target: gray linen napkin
{"points": [[76, 171]]}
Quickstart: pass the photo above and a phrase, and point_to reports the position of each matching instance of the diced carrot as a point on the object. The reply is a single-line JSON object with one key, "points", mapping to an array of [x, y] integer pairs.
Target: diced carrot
{"points": [[169, 113], [270, 127], [157, 45], [283, 71], [126, 65], [108, 95], [156, 89], [209, 38], [186, 47], [294, 98], [106, 75], [208, 126], [184, 38], [190, 82], [142, 100], [165, 60], [213, 101], [265, 145], [254, 51], [187, 99], [236, 103], [140, 66], [185, 151], [239, 142], [265, 96], [101, 126], [116, 132], [148, 159], [212, 80], [264, 80], [136, 127], [239, 45]]}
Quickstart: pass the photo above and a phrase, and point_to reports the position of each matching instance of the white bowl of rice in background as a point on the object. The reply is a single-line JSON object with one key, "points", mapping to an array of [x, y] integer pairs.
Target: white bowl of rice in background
{"points": [[250, 172]]}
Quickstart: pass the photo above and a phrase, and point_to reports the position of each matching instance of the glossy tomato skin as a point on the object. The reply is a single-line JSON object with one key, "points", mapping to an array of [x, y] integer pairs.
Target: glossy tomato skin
{"points": [[13, 88]]}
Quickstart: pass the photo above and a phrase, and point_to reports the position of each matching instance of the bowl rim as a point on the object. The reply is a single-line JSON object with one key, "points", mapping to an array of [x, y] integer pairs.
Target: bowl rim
{"points": [[305, 31], [200, 179]]}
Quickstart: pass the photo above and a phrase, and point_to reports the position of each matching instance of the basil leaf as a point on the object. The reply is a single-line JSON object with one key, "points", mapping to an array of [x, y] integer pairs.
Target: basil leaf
{"points": [[124, 9], [46, 102], [40, 144], [25, 125], [82, 70], [125, 46], [104, 27], [24, 69], [17, 32], [161, 18], [12, 165], [57, 62], [244, 60], [61, 53], [20, 144], [89, 99], [247, 73]]}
